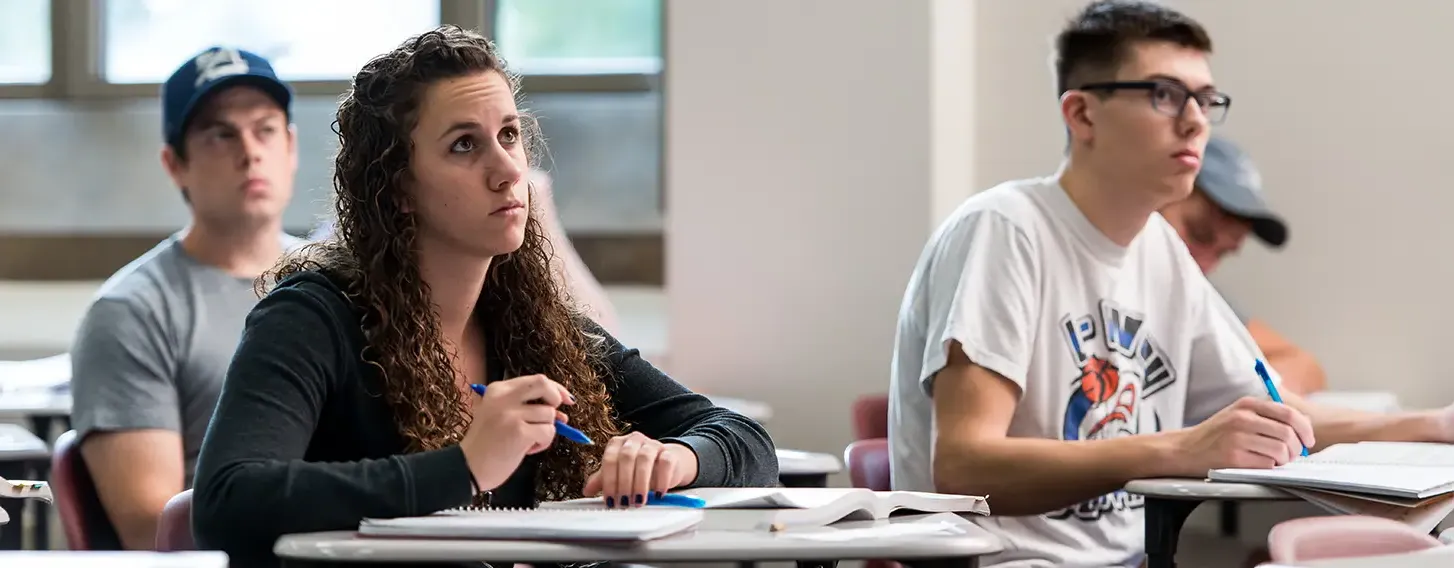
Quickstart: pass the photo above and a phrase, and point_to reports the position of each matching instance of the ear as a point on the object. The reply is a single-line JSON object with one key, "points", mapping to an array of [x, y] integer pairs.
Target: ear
{"points": [[174, 165], [293, 146], [1078, 111]]}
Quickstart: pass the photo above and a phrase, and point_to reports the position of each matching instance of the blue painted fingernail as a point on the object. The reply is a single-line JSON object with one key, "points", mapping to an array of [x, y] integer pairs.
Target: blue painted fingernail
{"points": [[625, 501], [610, 503], [656, 494], [640, 498]]}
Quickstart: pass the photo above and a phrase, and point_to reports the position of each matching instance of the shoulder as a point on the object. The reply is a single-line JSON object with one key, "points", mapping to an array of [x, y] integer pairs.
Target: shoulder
{"points": [[143, 287], [1007, 215], [308, 291]]}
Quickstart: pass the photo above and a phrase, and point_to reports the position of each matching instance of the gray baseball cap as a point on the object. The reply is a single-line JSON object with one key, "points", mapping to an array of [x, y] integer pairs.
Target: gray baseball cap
{"points": [[1230, 180]]}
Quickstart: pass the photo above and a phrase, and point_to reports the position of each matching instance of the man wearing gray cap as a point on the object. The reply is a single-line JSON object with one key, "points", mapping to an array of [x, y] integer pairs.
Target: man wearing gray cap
{"points": [[1225, 207]]}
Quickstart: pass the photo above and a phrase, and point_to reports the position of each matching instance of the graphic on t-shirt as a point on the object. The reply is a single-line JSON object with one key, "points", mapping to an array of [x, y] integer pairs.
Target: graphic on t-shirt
{"points": [[1116, 375]]}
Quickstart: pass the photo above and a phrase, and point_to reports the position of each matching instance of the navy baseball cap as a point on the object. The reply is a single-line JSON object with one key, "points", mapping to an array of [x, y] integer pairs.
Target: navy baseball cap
{"points": [[1230, 180], [206, 74]]}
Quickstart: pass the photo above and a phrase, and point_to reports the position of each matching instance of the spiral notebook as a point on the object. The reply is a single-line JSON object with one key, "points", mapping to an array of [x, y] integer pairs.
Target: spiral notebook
{"points": [[538, 524], [1403, 470]]}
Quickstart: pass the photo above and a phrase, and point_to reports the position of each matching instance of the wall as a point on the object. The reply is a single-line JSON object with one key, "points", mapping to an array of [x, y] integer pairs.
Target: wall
{"points": [[799, 208], [811, 145]]}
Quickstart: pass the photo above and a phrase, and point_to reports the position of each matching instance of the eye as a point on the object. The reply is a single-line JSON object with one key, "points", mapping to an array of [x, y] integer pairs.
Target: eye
{"points": [[464, 145], [1166, 93], [509, 136]]}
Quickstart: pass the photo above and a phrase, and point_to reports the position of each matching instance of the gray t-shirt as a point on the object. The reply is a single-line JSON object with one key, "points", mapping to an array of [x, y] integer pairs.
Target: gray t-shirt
{"points": [[155, 344]]}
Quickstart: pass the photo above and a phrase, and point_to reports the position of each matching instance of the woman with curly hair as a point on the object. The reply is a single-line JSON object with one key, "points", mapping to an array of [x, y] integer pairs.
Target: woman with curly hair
{"points": [[350, 394]]}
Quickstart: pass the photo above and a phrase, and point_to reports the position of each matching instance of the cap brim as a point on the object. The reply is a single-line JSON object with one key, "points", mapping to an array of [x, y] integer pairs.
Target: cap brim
{"points": [[273, 87], [1245, 204]]}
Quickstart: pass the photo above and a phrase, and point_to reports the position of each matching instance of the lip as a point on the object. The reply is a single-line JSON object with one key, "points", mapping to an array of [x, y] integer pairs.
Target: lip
{"points": [[509, 208], [256, 184], [1188, 157]]}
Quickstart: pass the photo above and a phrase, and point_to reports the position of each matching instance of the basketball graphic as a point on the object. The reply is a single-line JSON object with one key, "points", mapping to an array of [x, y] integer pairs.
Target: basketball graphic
{"points": [[1099, 380]]}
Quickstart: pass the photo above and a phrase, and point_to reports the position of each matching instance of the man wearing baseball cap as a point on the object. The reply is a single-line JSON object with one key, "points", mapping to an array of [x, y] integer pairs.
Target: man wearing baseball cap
{"points": [[1225, 207], [153, 347]]}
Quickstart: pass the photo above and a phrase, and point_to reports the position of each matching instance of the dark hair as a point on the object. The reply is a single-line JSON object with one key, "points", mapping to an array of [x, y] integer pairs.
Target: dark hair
{"points": [[1095, 43], [529, 325]]}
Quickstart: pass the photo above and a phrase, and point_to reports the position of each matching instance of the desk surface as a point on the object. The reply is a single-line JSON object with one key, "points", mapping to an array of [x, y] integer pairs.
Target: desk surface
{"points": [[759, 411], [795, 462], [53, 558], [955, 538], [28, 404], [1203, 490], [17, 443]]}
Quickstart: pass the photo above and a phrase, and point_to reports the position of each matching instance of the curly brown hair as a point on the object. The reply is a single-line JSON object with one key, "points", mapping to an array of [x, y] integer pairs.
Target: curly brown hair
{"points": [[529, 324]]}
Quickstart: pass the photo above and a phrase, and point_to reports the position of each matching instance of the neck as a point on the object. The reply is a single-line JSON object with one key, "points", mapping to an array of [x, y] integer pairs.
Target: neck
{"points": [[455, 281], [245, 252], [1112, 205]]}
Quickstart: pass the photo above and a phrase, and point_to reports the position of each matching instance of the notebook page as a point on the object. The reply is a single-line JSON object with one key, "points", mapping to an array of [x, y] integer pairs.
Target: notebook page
{"points": [[1384, 454]]}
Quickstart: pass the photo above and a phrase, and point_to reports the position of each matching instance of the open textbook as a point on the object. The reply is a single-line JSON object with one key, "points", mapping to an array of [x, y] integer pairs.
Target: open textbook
{"points": [[1410, 482], [779, 508]]}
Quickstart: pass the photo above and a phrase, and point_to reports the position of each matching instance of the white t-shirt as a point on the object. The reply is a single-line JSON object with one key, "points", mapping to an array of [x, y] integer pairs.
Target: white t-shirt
{"points": [[1103, 340]]}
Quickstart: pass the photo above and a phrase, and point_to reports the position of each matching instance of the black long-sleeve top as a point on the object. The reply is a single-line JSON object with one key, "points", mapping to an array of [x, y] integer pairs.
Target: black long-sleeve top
{"points": [[301, 441]]}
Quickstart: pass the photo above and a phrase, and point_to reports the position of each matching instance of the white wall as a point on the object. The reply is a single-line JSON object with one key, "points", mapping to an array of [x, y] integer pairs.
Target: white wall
{"points": [[800, 183]]}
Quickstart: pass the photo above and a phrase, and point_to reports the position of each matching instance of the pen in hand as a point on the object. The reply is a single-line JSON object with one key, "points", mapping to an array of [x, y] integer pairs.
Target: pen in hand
{"points": [[561, 428], [1271, 389]]}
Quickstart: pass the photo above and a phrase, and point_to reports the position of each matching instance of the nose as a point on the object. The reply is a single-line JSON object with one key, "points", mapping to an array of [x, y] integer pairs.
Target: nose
{"points": [[1193, 120], [503, 171], [252, 148]]}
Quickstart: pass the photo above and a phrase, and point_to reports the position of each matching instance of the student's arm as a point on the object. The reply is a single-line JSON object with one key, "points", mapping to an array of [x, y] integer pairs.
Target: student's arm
{"points": [[984, 305], [575, 277], [125, 410], [1025, 476], [731, 450], [252, 485], [1300, 371], [1342, 425]]}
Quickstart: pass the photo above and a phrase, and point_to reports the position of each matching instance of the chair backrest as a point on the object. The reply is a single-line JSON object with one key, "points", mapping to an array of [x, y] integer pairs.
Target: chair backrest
{"points": [[1342, 536], [174, 530], [82, 516], [868, 464], [871, 417]]}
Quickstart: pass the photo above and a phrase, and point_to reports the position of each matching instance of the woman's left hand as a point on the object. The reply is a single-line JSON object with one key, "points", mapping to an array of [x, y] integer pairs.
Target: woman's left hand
{"points": [[635, 465]]}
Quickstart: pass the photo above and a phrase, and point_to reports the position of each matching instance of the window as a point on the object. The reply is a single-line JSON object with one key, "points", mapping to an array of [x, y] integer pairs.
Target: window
{"points": [[25, 42], [576, 37], [306, 40]]}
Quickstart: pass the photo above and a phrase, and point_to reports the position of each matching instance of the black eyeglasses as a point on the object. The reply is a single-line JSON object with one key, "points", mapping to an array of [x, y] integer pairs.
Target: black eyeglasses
{"points": [[1170, 98]]}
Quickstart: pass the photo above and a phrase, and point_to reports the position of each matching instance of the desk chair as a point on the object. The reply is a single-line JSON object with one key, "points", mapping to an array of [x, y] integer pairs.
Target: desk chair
{"points": [[1343, 536], [868, 467], [871, 417], [82, 516], [174, 530]]}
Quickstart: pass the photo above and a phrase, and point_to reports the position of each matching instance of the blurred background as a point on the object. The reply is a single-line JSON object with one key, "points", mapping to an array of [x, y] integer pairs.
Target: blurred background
{"points": [[754, 179]]}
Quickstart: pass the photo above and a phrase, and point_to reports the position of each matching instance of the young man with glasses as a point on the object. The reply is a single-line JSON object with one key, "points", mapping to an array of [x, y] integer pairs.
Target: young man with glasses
{"points": [[1056, 337]]}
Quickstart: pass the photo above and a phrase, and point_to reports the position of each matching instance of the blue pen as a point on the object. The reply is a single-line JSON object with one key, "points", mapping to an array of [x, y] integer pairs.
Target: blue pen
{"points": [[1272, 389], [565, 430], [676, 500]]}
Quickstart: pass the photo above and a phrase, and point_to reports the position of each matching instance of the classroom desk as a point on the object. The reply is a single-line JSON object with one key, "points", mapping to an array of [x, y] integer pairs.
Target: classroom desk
{"points": [[1170, 501], [842, 541], [1429, 557], [43, 411], [758, 411], [806, 469], [113, 559], [23, 456]]}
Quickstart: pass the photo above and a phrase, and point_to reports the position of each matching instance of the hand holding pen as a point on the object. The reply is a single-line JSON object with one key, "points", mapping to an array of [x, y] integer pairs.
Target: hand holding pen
{"points": [[512, 419]]}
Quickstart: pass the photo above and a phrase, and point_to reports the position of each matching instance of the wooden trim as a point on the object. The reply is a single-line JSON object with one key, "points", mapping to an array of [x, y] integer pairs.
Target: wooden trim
{"points": [[614, 259]]}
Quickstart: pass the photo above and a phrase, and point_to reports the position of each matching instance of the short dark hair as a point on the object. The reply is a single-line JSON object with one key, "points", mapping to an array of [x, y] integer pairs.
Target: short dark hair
{"points": [[1095, 43]]}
